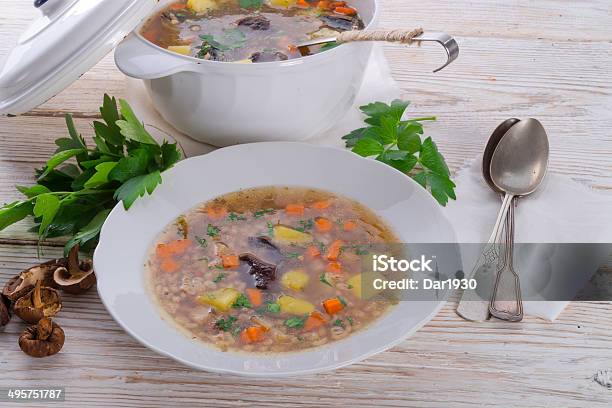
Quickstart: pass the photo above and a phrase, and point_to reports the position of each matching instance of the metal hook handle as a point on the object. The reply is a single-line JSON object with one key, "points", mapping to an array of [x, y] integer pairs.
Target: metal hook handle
{"points": [[446, 41]]}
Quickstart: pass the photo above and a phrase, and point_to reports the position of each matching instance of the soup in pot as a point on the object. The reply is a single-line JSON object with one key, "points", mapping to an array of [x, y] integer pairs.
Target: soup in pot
{"points": [[271, 269], [249, 30]]}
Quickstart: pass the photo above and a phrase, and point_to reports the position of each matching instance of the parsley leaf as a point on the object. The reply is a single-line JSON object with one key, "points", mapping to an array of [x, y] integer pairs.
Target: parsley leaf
{"points": [[135, 188], [79, 185], [398, 144]]}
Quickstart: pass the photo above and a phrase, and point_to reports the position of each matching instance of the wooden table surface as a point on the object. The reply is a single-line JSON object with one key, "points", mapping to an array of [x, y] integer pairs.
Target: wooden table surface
{"points": [[544, 58]]}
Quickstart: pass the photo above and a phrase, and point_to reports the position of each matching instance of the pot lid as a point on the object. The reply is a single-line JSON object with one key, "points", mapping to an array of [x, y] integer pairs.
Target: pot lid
{"points": [[68, 39]]}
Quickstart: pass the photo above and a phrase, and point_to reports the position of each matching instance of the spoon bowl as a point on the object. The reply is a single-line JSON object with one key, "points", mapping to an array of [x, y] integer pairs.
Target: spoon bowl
{"points": [[492, 143], [520, 161]]}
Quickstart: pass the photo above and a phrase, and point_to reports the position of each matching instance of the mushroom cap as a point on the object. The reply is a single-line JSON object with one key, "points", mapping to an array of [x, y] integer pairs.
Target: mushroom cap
{"points": [[51, 305], [74, 284], [5, 311], [43, 340], [25, 281], [76, 277]]}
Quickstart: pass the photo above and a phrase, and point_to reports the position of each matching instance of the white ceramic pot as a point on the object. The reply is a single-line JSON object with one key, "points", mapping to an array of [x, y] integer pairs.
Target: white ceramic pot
{"points": [[225, 103]]}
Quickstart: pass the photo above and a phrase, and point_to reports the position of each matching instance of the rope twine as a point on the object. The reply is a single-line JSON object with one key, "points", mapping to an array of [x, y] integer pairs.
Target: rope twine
{"points": [[400, 36]]}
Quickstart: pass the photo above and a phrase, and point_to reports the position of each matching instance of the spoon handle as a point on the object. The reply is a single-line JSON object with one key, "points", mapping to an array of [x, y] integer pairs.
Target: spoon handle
{"points": [[474, 303], [506, 301]]}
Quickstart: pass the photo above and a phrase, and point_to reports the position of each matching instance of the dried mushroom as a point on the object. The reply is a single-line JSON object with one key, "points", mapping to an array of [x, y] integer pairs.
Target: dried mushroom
{"points": [[77, 277], [262, 271], [26, 280], [5, 311], [39, 303], [256, 22], [43, 340]]}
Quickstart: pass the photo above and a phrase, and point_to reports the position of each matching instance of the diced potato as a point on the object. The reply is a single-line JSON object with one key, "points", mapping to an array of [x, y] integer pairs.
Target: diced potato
{"points": [[287, 235], [362, 285], [296, 279], [202, 6], [295, 306], [324, 33], [282, 3], [221, 299], [180, 49]]}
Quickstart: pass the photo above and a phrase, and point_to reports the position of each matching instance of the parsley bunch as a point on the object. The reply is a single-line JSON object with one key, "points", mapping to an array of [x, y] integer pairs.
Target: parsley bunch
{"points": [[73, 199], [398, 143]]}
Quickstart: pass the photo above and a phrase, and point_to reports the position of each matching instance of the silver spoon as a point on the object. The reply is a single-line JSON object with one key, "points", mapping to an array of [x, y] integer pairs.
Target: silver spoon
{"points": [[474, 304], [446, 41], [518, 166]]}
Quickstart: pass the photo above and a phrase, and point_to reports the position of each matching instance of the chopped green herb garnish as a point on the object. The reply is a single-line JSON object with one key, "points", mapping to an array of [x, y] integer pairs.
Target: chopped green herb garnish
{"points": [[338, 323], [295, 322], [219, 277], [270, 229], [225, 325], [273, 307], [264, 212], [305, 225], [323, 279], [350, 320], [342, 300], [292, 255], [212, 231], [242, 302], [217, 266], [349, 286], [201, 241], [236, 217]]}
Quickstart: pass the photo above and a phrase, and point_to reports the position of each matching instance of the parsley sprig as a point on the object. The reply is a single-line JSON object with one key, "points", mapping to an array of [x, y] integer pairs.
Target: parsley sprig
{"points": [[72, 199], [398, 143]]}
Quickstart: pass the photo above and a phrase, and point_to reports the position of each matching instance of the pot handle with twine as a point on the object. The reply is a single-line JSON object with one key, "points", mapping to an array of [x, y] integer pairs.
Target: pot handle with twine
{"points": [[404, 37]]}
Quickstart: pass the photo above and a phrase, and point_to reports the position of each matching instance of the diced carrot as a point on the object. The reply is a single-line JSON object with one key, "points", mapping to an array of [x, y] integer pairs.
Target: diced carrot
{"points": [[350, 225], [334, 250], [252, 334], [179, 246], [321, 205], [178, 6], [314, 321], [216, 212], [324, 5], [333, 306], [163, 251], [335, 4], [292, 48], [303, 4], [312, 251], [169, 265], [255, 296], [334, 267], [230, 261], [323, 224], [349, 11], [295, 209]]}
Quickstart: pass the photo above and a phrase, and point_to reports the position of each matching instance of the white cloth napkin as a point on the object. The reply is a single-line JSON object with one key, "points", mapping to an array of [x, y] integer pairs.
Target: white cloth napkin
{"points": [[561, 211]]}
